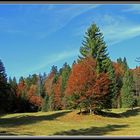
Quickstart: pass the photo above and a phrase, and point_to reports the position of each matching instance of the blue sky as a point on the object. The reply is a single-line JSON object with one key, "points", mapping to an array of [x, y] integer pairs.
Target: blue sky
{"points": [[34, 37]]}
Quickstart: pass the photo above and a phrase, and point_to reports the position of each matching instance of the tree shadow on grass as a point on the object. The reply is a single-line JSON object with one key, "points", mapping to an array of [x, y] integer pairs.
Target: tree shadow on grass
{"points": [[92, 130], [24, 120], [7, 133], [127, 113]]}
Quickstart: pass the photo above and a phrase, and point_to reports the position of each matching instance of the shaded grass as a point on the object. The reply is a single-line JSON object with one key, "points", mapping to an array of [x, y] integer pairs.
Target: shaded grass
{"points": [[93, 130], [127, 113], [7, 133], [29, 119], [118, 122]]}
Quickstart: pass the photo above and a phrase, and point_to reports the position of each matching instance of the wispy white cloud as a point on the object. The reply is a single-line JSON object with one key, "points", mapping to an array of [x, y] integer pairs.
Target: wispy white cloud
{"points": [[63, 15], [132, 8], [115, 28], [52, 59], [73, 11], [117, 35], [53, 16]]}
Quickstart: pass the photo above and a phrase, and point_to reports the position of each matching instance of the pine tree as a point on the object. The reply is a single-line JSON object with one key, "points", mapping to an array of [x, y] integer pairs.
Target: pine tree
{"points": [[119, 60], [127, 97], [34, 79], [113, 85], [3, 76], [13, 83], [136, 76], [74, 62], [54, 69], [21, 79], [28, 81], [6, 96], [22, 88], [51, 101], [41, 85], [65, 74], [94, 46], [122, 68], [56, 73], [125, 64], [45, 105]]}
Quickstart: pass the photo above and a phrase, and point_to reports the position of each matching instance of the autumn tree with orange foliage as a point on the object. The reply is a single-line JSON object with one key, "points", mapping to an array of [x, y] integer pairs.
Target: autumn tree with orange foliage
{"points": [[33, 98], [57, 94], [22, 105], [85, 86], [49, 80], [27, 95], [20, 91]]}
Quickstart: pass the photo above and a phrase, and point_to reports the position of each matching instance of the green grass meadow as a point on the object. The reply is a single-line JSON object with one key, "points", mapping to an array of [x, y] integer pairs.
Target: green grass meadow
{"points": [[118, 122]]}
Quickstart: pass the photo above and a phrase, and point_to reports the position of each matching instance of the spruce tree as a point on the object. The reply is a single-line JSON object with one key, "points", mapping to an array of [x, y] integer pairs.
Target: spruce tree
{"points": [[74, 62], [45, 105], [113, 86], [125, 65], [6, 95], [3, 76], [94, 46], [13, 83], [41, 85], [123, 62], [65, 75], [51, 101], [119, 60], [127, 97]]}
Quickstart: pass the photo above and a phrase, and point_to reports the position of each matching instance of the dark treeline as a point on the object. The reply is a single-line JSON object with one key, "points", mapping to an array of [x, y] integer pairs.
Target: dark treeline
{"points": [[92, 83]]}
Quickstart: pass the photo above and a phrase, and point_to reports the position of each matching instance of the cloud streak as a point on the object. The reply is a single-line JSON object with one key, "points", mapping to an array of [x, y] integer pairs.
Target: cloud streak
{"points": [[53, 59], [54, 17], [62, 16], [118, 29], [133, 8], [115, 28], [118, 35]]}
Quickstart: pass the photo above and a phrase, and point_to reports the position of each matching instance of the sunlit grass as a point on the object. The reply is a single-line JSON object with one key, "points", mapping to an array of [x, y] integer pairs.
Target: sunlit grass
{"points": [[70, 123]]}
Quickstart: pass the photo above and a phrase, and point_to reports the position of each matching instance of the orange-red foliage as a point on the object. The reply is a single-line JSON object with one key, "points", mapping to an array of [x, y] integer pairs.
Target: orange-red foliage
{"points": [[32, 91], [57, 94], [20, 87], [101, 86], [32, 97], [49, 83], [136, 71], [119, 70], [82, 76], [85, 82]]}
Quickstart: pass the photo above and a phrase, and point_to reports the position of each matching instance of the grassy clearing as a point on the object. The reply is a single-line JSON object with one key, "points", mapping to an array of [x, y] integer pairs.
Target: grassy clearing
{"points": [[118, 122]]}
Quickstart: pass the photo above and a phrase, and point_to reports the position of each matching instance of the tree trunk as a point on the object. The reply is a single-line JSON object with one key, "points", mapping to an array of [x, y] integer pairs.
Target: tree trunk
{"points": [[80, 110], [90, 109]]}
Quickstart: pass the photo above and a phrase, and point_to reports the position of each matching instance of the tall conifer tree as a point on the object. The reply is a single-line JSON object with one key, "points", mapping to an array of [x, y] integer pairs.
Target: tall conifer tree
{"points": [[127, 90], [94, 46]]}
